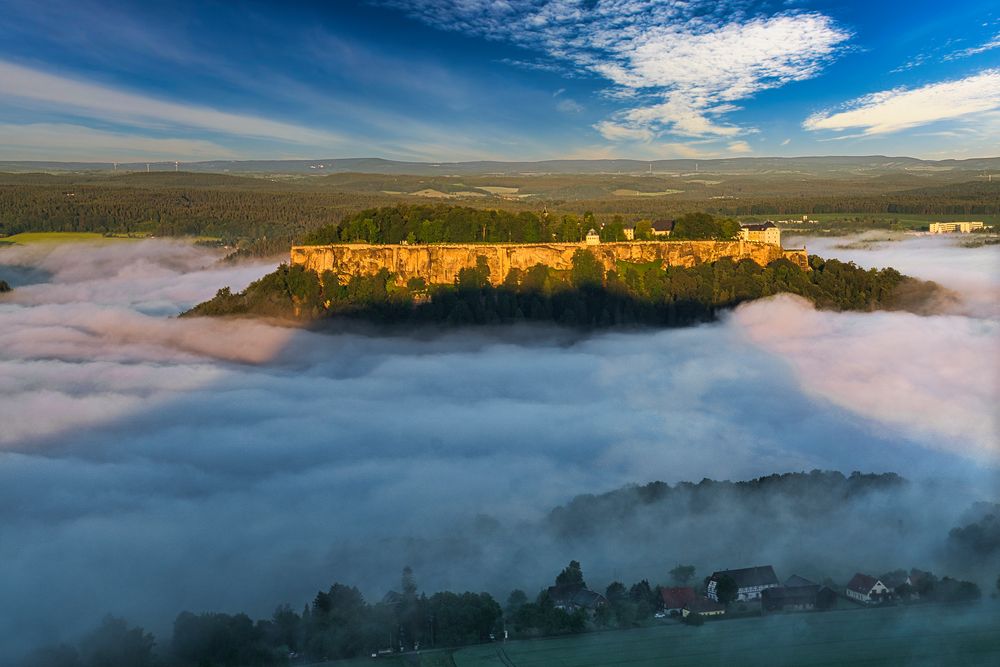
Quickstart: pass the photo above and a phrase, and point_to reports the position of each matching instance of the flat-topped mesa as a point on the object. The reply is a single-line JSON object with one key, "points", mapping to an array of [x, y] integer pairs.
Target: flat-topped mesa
{"points": [[439, 264]]}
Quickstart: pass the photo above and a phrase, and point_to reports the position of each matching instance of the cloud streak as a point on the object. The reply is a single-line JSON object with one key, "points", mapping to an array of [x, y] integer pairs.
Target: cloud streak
{"points": [[105, 103], [77, 142], [901, 108]]}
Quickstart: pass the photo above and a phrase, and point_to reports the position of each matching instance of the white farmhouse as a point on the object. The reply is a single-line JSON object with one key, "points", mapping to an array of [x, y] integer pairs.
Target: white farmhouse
{"points": [[750, 582], [866, 588]]}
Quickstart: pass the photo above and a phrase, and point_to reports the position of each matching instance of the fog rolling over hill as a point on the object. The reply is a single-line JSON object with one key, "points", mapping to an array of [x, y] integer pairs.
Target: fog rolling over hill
{"points": [[235, 465], [818, 165]]}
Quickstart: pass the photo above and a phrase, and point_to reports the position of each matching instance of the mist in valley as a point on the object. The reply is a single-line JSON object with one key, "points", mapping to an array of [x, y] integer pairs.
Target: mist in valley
{"points": [[150, 465]]}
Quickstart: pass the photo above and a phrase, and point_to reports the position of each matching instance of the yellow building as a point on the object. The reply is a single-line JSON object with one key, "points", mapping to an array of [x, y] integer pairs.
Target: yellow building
{"points": [[947, 227], [765, 233], [593, 238]]}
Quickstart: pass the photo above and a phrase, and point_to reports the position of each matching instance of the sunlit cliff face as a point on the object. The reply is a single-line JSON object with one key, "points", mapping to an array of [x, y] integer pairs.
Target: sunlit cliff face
{"points": [[150, 465]]}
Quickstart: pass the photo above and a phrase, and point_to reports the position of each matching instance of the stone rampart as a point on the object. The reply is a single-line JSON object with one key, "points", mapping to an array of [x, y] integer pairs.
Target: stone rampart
{"points": [[440, 264]]}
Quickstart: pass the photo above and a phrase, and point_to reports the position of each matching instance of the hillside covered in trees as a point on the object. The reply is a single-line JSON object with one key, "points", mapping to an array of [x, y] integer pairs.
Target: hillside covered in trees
{"points": [[265, 215], [439, 223], [584, 296], [340, 622]]}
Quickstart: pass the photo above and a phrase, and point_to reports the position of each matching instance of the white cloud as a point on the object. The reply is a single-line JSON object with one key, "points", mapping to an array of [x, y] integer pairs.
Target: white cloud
{"points": [[993, 43], [901, 108], [76, 142], [613, 131], [740, 147], [567, 105], [691, 58], [109, 104], [942, 53], [786, 142]]}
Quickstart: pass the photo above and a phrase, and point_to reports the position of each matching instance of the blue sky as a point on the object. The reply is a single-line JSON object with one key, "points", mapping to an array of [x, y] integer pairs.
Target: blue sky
{"points": [[507, 79]]}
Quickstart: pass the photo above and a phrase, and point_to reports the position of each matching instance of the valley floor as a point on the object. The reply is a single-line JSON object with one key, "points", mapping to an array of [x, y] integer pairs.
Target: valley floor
{"points": [[904, 635]]}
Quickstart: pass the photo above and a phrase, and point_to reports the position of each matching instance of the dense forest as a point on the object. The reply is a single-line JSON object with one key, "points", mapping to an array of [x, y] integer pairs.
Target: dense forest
{"points": [[584, 296], [339, 622], [265, 215], [439, 223]]}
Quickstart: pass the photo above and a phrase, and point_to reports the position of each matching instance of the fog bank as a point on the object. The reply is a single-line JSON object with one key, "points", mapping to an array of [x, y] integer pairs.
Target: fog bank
{"points": [[150, 465]]}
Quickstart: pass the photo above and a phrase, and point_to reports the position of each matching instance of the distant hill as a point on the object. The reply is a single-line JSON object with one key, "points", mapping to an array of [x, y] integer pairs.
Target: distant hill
{"points": [[820, 165]]}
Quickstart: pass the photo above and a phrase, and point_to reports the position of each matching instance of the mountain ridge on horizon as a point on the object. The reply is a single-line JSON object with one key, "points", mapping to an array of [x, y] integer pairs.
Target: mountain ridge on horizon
{"points": [[319, 166]]}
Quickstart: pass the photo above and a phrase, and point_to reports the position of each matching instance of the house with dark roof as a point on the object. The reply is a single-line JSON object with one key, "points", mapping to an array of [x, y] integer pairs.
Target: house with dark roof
{"points": [[672, 600], [896, 579], [750, 582], [662, 227], [703, 607], [766, 232], [570, 597], [866, 588], [796, 594]]}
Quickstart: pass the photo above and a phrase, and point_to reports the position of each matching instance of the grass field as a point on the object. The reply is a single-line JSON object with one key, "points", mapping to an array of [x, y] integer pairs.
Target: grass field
{"points": [[905, 635], [907, 221], [920, 635], [26, 238]]}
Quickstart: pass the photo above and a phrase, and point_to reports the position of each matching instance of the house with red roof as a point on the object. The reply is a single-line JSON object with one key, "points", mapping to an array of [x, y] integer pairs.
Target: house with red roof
{"points": [[672, 600], [866, 588]]}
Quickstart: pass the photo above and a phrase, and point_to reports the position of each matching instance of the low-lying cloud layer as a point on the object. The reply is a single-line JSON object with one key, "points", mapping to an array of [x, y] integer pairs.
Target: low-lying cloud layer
{"points": [[150, 465]]}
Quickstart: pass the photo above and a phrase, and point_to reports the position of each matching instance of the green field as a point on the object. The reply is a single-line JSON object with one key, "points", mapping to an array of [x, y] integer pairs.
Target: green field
{"points": [[905, 635], [911, 221], [26, 238]]}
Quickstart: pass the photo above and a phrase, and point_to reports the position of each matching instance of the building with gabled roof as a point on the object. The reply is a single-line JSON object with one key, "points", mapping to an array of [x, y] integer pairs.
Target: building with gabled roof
{"points": [[571, 597], [662, 227], [750, 581], [766, 232], [866, 588], [674, 599], [703, 607], [797, 594]]}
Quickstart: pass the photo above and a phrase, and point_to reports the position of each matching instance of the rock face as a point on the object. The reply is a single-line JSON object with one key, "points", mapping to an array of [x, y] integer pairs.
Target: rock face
{"points": [[440, 264]]}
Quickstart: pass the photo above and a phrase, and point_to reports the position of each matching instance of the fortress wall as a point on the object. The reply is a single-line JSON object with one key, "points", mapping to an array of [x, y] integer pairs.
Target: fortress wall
{"points": [[440, 264]]}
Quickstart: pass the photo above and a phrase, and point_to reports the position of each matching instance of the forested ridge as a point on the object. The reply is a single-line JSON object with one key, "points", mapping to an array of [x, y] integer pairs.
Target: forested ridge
{"points": [[439, 223], [263, 215], [584, 296], [340, 622]]}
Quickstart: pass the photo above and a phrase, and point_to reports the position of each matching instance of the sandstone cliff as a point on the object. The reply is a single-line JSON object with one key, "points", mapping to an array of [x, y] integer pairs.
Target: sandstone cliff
{"points": [[440, 264]]}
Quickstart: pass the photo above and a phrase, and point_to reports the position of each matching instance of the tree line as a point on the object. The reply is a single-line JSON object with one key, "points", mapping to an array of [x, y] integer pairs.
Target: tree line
{"points": [[584, 296], [264, 217], [339, 623], [440, 223]]}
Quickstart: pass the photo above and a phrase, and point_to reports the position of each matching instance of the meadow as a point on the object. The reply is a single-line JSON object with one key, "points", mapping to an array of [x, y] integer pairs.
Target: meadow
{"points": [[910, 635]]}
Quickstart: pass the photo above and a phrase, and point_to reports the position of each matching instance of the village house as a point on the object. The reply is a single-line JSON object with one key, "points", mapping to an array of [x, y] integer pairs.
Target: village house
{"points": [[593, 238], [672, 600], [767, 232], [703, 607], [897, 579], [629, 233], [662, 227], [570, 597], [798, 594], [750, 582], [866, 588]]}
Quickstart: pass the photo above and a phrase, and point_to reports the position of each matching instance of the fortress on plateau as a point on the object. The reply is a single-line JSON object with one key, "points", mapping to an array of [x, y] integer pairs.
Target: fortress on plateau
{"points": [[440, 263]]}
